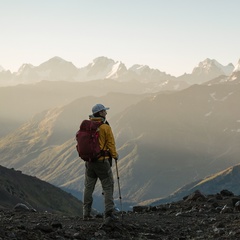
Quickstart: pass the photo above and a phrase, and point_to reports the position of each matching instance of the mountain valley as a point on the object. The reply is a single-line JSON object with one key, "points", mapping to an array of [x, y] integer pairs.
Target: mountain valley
{"points": [[166, 138]]}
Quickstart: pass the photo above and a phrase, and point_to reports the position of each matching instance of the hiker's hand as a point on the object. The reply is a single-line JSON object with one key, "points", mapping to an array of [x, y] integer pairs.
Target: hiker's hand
{"points": [[116, 158]]}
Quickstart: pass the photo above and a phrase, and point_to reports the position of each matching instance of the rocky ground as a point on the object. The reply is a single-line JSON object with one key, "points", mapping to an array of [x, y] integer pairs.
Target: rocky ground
{"points": [[195, 217]]}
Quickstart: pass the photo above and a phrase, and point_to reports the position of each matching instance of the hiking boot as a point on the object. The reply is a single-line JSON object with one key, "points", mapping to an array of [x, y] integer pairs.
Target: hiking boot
{"points": [[87, 217], [110, 219], [111, 216]]}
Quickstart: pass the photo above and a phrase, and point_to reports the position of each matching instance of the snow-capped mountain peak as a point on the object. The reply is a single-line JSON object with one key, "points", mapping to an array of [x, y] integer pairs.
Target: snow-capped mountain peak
{"points": [[227, 70], [147, 74], [213, 68], [58, 69], [237, 67], [55, 69], [54, 62], [25, 69], [101, 61], [206, 71], [139, 68], [101, 68], [116, 70]]}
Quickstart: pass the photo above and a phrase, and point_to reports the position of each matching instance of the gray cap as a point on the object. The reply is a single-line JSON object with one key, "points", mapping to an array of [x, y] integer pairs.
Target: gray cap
{"points": [[98, 107]]}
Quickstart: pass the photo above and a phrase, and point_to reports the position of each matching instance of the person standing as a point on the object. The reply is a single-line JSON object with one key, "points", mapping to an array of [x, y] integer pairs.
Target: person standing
{"points": [[101, 168]]}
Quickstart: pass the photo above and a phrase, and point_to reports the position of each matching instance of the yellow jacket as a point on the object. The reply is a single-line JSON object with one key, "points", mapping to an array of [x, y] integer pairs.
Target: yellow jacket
{"points": [[106, 139]]}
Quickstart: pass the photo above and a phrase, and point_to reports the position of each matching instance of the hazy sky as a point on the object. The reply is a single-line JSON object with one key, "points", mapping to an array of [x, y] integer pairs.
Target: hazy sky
{"points": [[170, 35]]}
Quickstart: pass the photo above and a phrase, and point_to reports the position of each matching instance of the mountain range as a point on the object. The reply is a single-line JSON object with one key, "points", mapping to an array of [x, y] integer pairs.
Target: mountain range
{"points": [[170, 131], [60, 82], [58, 69], [165, 139]]}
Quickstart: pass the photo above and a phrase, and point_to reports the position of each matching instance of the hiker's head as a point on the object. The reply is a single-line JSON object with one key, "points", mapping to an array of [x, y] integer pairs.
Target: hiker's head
{"points": [[99, 110]]}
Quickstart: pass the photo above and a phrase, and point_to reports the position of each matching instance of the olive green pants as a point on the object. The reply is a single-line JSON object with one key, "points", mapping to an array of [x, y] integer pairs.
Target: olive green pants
{"points": [[103, 171]]}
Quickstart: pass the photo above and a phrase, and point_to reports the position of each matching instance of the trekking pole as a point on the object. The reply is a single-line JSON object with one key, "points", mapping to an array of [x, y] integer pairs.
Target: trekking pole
{"points": [[103, 203], [119, 190]]}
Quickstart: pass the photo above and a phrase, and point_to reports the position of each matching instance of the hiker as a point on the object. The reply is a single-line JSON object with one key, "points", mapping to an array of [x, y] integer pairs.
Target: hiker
{"points": [[101, 168]]}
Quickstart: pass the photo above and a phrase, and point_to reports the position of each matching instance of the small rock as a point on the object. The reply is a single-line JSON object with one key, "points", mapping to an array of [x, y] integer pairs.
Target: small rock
{"points": [[226, 209], [237, 206], [117, 234], [197, 195], [226, 193], [57, 225], [140, 209], [219, 231], [77, 235], [100, 233], [219, 196], [158, 229], [21, 207], [220, 225], [235, 200], [215, 205], [44, 228]]}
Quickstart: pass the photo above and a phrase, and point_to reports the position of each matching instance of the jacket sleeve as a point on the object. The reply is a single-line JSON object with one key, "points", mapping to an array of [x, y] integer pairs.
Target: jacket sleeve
{"points": [[106, 140]]}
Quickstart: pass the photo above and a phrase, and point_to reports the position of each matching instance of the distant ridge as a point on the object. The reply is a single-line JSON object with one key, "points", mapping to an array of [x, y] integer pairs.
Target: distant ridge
{"points": [[58, 69], [186, 135], [166, 139], [226, 179]]}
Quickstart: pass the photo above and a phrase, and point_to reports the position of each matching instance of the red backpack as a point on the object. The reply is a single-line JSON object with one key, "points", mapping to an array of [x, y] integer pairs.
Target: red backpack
{"points": [[87, 140]]}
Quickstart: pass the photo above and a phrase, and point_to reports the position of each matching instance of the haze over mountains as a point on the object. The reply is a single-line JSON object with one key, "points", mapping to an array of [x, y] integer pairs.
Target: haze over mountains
{"points": [[169, 132], [58, 69], [227, 179]]}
